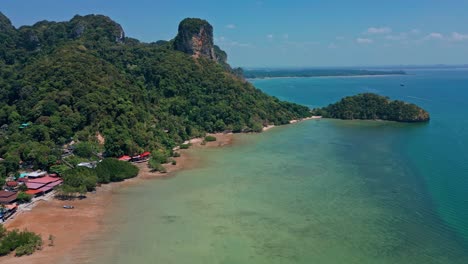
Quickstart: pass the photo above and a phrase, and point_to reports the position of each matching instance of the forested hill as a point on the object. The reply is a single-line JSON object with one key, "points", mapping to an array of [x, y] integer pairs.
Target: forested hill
{"points": [[373, 106], [63, 81]]}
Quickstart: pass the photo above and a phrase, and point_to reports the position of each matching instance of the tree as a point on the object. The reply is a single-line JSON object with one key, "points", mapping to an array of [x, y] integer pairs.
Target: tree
{"points": [[23, 197]]}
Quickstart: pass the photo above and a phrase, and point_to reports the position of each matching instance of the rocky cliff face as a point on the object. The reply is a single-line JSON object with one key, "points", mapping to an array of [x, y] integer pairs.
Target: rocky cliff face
{"points": [[97, 24], [5, 23], [195, 37]]}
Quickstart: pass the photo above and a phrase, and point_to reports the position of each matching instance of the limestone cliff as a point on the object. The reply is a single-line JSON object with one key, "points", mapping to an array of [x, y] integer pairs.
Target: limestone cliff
{"points": [[195, 37]]}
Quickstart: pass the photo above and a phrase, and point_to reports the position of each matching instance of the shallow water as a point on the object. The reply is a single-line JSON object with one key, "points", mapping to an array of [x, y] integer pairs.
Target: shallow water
{"points": [[324, 191]]}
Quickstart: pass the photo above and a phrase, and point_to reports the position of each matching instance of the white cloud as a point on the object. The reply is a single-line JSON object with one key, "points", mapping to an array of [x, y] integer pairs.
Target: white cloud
{"points": [[286, 36], [332, 46], [339, 38], [301, 44], [270, 36], [434, 35], [400, 36], [415, 31], [380, 30], [222, 41], [364, 41], [459, 37], [231, 26]]}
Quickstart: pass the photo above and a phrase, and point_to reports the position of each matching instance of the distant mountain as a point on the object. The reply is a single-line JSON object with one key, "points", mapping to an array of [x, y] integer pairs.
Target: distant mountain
{"points": [[371, 106], [76, 79]]}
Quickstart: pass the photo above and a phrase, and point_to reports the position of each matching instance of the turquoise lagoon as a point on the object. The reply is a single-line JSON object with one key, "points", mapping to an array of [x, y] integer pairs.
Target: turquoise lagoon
{"points": [[321, 191]]}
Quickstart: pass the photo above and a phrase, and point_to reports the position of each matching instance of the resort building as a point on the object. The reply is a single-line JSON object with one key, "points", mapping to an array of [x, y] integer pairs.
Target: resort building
{"points": [[7, 197], [42, 185]]}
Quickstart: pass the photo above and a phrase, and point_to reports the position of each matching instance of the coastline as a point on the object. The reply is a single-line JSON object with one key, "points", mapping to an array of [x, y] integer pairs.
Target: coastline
{"points": [[327, 76], [73, 229]]}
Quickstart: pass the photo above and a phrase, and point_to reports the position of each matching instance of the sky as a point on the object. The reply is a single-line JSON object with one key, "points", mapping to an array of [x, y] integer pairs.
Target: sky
{"points": [[293, 33]]}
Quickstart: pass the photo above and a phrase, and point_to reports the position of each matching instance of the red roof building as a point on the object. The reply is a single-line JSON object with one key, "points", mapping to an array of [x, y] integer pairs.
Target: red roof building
{"points": [[42, 185], [125, 158], [7, 197], [145, 154], [11, 184]]}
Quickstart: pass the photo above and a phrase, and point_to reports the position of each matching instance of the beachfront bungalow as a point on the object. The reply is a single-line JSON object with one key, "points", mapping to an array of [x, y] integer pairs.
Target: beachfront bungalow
{"points": [[7, 210], [7, 197], [39, 186], [125, 158], [141, 158], [138, 158]]}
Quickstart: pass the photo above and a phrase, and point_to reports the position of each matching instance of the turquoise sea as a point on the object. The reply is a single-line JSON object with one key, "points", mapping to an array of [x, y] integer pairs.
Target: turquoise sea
{"points": [[321, 191]]}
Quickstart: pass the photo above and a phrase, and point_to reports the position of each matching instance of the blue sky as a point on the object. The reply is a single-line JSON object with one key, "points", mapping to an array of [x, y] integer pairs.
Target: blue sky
{"points": [[288, 33]]}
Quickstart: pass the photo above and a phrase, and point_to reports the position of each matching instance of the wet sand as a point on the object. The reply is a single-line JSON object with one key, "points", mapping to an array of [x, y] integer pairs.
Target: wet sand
{"points": [[72, 229]]}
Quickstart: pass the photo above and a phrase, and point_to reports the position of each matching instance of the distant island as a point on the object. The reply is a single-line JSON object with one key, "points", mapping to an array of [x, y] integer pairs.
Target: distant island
{"points": [[370, 106], [278, 73]]}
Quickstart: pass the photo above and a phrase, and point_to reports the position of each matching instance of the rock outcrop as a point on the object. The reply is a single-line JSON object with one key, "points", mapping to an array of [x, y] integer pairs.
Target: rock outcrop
{"points": [[95, 24], [195, 37], [5, 24]]}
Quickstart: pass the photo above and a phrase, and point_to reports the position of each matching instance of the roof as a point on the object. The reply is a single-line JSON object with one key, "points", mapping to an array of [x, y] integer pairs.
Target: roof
{"points": [[50, 186], [32, 192], [34, 185], [4, 194], [8, 197], [145, 154], [11, 184], [125, 158], [36, 174], [11, 206], [44, 180], [90, 165]]}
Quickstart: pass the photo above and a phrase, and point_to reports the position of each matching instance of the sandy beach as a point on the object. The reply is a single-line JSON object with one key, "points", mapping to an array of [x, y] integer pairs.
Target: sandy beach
{"points": [[71, 229]]}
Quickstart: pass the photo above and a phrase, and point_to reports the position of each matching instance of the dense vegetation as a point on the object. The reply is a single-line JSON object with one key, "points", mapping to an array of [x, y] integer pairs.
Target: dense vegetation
{"points": [[372, 106], [22, 242], [63, 81], [270, 73], [81, 179]]}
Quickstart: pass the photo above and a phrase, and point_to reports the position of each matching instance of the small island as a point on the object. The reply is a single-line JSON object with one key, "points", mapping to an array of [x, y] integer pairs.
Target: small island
{"points": [[369, 106]]}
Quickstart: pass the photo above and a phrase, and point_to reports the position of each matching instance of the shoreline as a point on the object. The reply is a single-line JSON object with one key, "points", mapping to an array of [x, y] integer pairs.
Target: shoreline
{"points": [[74, 229]]}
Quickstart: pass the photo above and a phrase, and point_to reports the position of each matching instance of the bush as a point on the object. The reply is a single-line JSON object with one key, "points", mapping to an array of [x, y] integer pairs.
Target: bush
{"points": [[113, 170], [210, 138], [24, 242], [156, 166], [176, 154], [159, 156], [81, 176], [59, 169], [185, 146], [24, 197]]}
